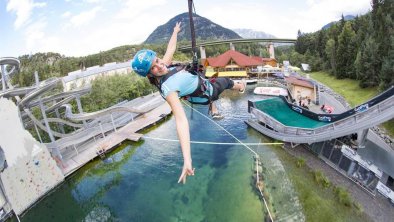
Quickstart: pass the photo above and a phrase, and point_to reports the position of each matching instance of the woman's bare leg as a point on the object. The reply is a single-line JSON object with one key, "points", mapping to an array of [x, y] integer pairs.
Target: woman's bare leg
{"points": [[215, 112], [214, 109]]}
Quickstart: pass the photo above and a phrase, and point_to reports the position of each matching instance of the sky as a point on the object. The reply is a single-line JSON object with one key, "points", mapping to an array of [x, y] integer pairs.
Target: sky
{"points": [[84, 27]]}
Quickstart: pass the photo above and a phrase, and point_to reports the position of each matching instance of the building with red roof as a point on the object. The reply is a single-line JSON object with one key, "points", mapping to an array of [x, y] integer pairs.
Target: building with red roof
{"points": [[232, 64], [266, 61]]}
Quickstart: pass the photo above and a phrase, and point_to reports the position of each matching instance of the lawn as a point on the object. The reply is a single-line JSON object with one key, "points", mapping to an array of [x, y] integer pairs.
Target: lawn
{"points": [[319, 203], [350, 90]]}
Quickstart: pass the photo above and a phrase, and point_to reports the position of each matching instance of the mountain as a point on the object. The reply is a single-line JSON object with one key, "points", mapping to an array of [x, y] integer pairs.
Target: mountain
{"points": [[204, 28], [347, 18], [252, 34]]}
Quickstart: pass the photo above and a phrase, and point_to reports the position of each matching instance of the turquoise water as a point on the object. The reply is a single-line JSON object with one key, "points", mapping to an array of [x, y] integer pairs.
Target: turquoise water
{"points": [[276, 108], [138, 182]]}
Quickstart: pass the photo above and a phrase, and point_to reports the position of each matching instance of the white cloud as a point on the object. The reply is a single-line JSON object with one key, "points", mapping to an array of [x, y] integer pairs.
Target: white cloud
{"points": [[66, 14], [38, 39], [84, 18], [94, 1], [283, 22], [111, 34], [23, 10], [321, 12], [35, 33], [130, 21], [133, 8]]}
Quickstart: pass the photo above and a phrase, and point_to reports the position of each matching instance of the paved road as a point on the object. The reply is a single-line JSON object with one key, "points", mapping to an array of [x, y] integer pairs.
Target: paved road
{"points": [[339, 108], [331, 101]]}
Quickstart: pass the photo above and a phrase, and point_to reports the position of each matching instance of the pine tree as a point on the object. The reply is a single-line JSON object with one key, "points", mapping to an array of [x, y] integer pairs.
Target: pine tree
{"points": [[370, 75], [387, 72], [346, 52], [320, 43], [331, 54], [382, 19]]}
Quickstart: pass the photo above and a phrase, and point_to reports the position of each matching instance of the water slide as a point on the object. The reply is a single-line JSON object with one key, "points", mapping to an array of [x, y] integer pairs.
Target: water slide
{"points": [[6, 62], [86, 116], [59, 96], [95, 123], [43, 87], [8, 93], [101, 121], [284, 121]]}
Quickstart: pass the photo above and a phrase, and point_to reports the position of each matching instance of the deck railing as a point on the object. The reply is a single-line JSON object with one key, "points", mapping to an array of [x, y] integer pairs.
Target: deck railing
{"points": [[371, 116]]}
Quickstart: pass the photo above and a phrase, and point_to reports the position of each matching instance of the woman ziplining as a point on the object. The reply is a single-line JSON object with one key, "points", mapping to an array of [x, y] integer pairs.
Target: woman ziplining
{"points": [[174, 82]]}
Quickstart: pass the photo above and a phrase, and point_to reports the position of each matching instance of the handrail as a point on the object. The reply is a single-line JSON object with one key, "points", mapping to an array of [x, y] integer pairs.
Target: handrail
{"points": [[340, 124]]}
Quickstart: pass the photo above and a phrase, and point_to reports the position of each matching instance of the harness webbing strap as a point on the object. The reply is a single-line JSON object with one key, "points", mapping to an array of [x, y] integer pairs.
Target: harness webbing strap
{"points": [[200, 91]]}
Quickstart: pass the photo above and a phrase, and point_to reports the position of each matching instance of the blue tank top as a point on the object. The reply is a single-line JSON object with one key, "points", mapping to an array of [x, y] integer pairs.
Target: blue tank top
{"points": [[184, 83]]}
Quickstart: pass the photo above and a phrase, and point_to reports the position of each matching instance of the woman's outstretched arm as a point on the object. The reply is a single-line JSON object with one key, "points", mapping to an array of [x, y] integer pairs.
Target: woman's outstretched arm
{"points": [[182, 127], [171, 47]]}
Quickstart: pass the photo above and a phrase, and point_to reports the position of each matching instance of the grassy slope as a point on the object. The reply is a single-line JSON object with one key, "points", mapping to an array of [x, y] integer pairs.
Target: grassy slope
{"points": [[351, 91], [319, 203]]}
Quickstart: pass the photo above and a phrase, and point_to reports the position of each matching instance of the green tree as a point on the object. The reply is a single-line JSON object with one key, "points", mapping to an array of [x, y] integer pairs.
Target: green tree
{"points": [[110, 90], [331, 54], [369, 75], [346, 52], [387, 72]]}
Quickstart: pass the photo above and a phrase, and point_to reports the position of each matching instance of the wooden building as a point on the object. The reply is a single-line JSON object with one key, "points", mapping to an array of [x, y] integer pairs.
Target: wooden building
{"points": [[301, 89], [231, 64]]}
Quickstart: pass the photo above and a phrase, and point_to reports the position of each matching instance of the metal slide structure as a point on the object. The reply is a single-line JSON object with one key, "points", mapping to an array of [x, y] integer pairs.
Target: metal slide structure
{"points": [[87, 126], [377, 110]]}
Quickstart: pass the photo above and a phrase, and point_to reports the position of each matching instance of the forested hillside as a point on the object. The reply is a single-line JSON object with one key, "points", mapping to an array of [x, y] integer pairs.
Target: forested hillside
{"points": [[55, 65], [361, 49], [205, 30]]}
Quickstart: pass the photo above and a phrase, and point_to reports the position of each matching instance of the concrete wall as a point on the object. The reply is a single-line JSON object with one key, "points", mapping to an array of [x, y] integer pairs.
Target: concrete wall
{"points": [[31, 171], [298, 91]]}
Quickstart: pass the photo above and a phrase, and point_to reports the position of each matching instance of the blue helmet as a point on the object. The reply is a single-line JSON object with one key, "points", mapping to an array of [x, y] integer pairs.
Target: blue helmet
{"points": [[142, 61]]}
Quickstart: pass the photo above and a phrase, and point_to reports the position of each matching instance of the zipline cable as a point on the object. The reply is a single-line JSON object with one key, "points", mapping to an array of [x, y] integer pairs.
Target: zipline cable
{"points": [[195, 67], [212, 143], [246, 146]]}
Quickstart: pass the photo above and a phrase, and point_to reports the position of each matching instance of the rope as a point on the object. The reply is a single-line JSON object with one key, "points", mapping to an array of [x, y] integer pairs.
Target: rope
{"points": [[213, 143], [241, 143], [246, 146], [266, 205]]}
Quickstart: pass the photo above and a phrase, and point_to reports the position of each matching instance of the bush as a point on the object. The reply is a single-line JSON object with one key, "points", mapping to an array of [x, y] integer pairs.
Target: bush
{"points": [[320, 178], [109, 90], [343, 196], [300, 162], [358, 207]]}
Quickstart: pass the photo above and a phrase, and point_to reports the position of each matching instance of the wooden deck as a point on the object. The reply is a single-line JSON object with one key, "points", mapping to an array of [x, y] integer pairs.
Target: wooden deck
{"points": [[128, 132]]}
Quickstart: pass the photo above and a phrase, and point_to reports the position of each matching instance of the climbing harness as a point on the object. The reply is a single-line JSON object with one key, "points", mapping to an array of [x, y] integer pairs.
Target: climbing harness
{"points": [[202, 90]]}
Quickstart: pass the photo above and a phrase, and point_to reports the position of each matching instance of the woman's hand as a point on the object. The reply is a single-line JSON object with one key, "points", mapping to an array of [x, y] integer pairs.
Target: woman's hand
{"points": [[186, 171], [177, 27], [171, 47]]}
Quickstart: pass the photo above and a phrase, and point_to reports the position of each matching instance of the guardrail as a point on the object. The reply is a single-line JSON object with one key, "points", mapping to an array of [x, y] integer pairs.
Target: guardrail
{"points": [[374, 115]]}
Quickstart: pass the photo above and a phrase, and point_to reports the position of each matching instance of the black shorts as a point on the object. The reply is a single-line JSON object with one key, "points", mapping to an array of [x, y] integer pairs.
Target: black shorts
{"points": [[219, 85]]}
